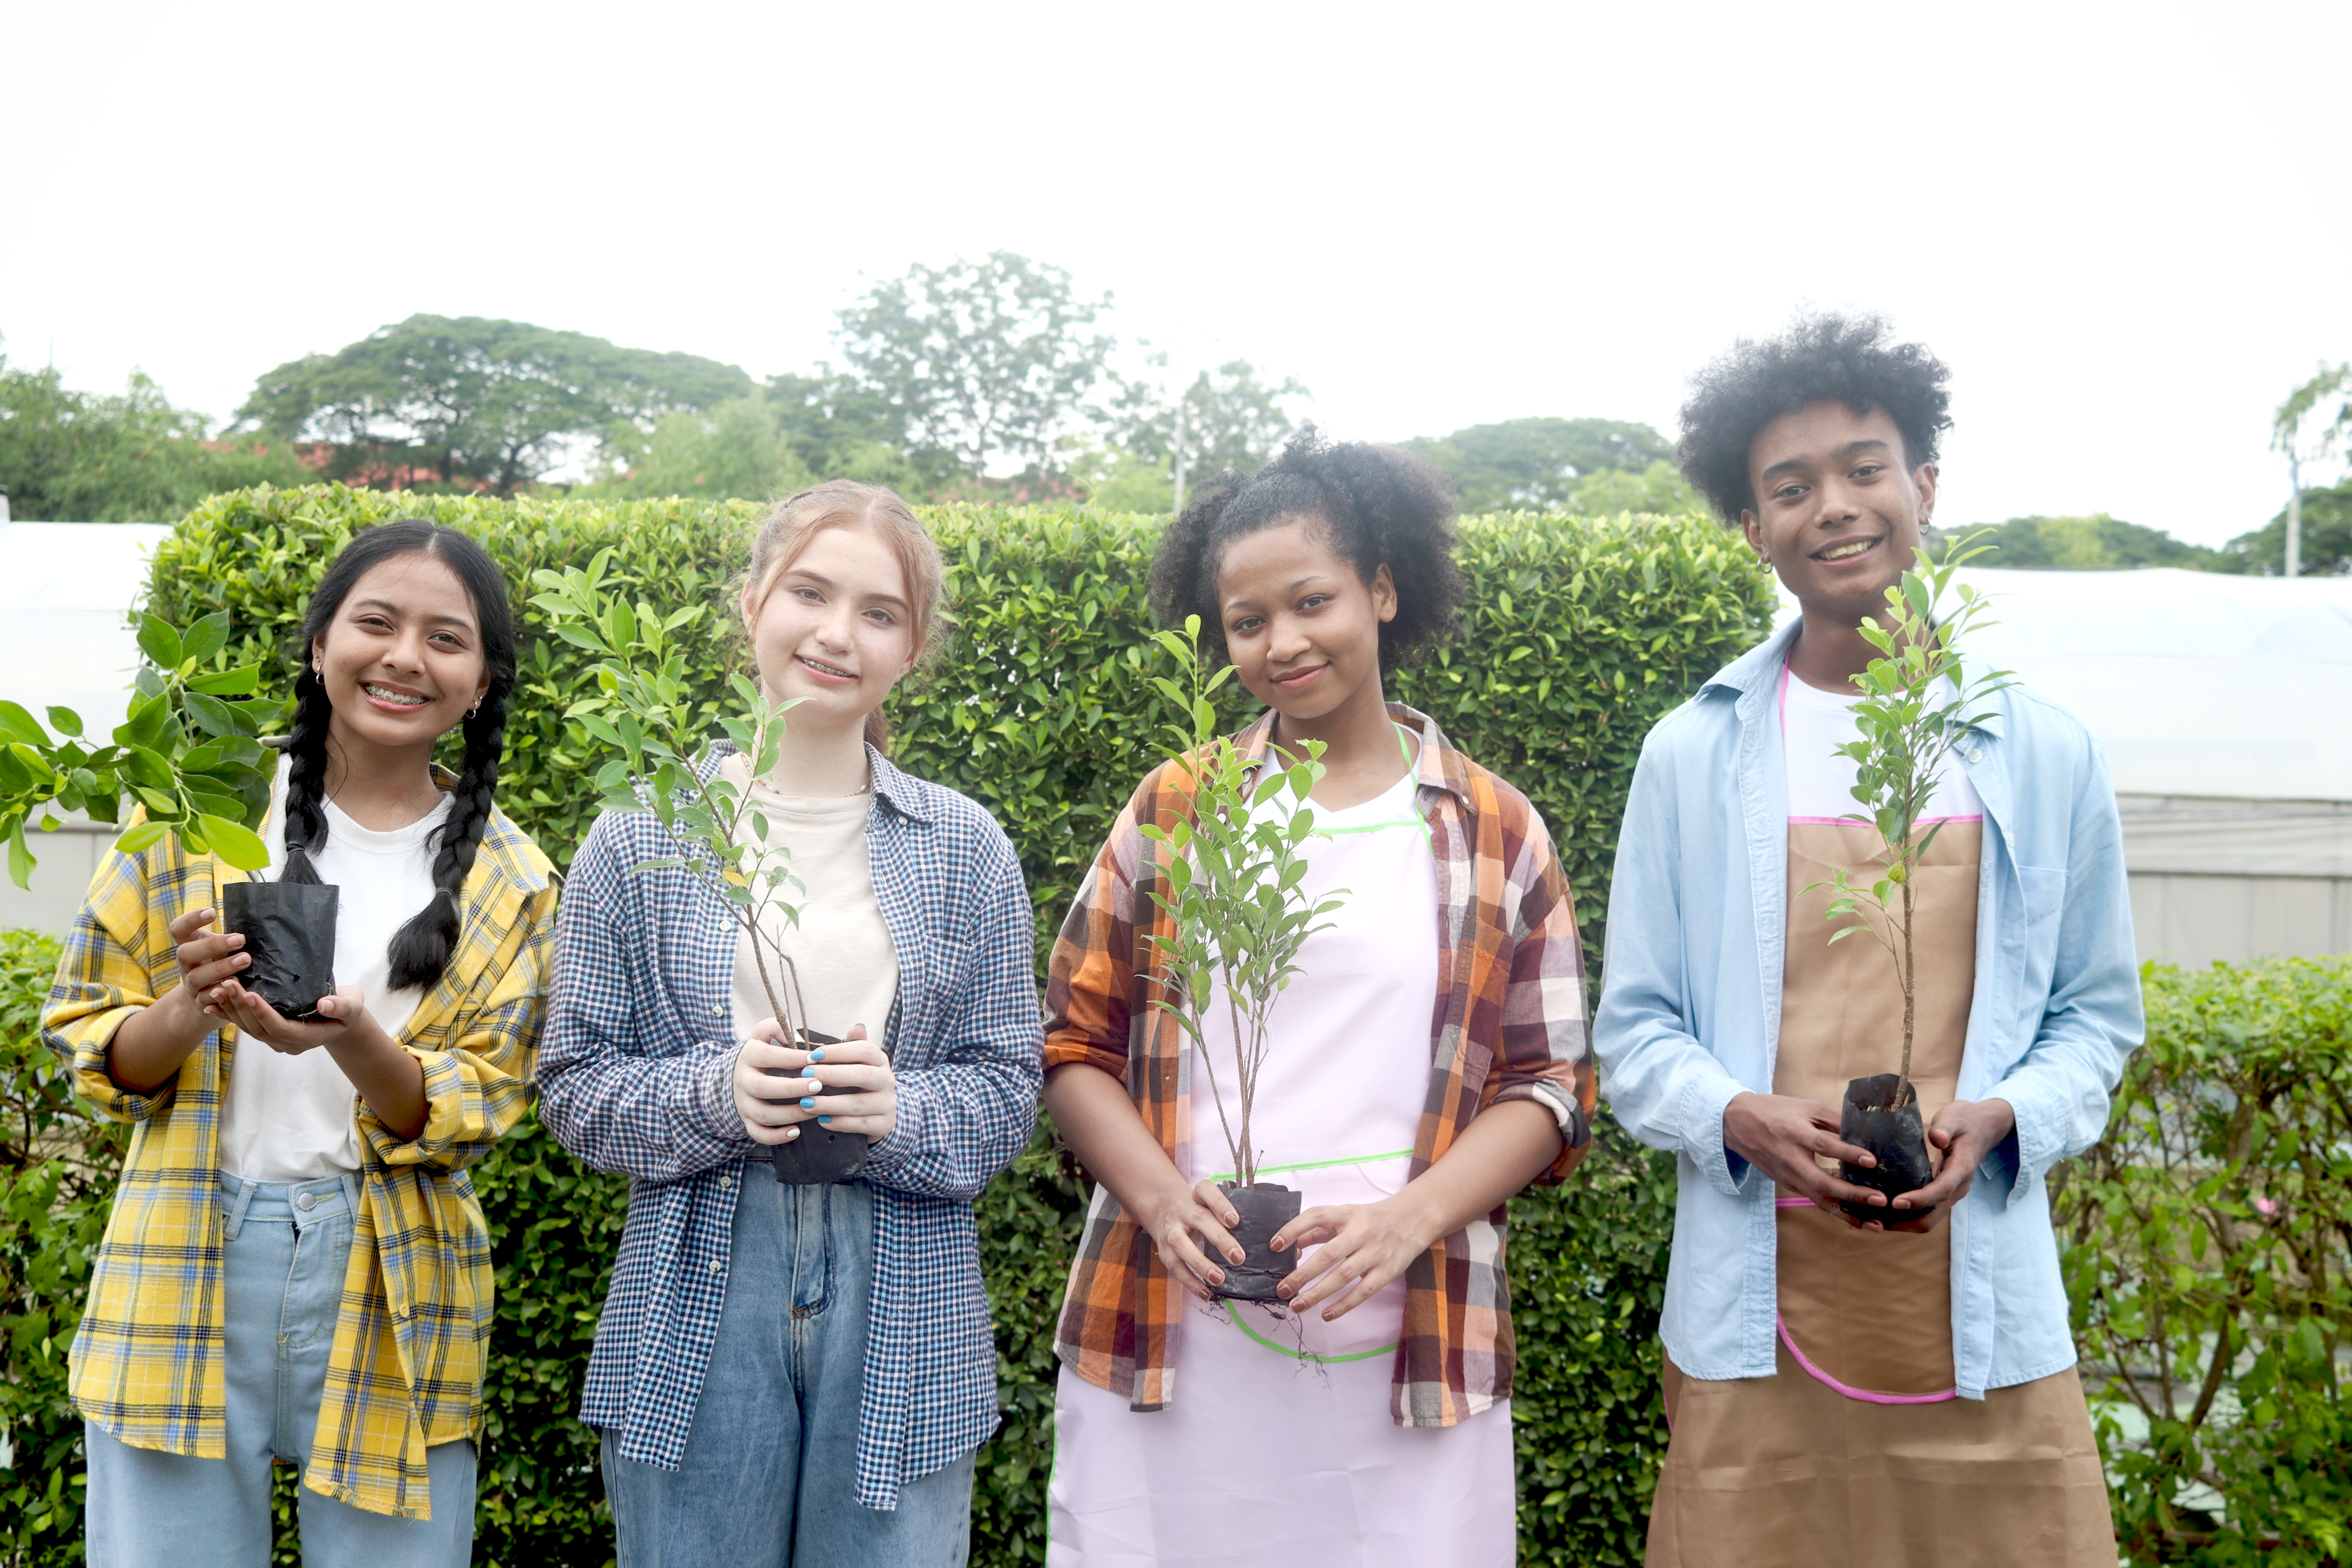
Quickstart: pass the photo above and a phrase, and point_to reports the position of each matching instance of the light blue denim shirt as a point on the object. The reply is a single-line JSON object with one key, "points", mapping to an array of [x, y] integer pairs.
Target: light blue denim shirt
{"points": [[1690, 1010]]}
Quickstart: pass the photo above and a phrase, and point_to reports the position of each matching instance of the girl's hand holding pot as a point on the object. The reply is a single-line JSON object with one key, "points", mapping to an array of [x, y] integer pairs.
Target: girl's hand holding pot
{"points": [[775, 1085], [206, 958], [391, 1080], [341, 1014], [1187, 1227], [1362, 1246]]}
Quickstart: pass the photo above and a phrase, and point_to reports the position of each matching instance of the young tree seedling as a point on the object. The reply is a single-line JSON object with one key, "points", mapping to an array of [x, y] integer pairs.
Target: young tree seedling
{"points": [[644, 711], [1919, 699], [1238, 912]]}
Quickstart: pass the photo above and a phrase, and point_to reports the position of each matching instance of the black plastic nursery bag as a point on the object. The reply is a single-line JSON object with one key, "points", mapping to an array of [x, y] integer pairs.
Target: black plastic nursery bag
{"points": [[1869, 1120], [290, 934], [820, 1154]]}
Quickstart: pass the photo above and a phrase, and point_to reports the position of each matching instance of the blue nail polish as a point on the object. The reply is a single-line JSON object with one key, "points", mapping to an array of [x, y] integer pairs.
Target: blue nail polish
{"points": [[817, 1055], [808, 1105], [824, 1121]]}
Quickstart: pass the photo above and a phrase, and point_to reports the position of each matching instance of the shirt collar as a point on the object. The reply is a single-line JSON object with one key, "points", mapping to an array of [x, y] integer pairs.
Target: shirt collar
{"points": [[899, 790], [1441, 766], [1759, 665]]}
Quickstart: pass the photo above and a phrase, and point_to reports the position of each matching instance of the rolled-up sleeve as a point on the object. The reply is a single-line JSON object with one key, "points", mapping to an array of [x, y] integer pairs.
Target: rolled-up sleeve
{"points": [[105, 975], [1543, 1046], [963, 1119], [1090, 978], [477, 1087], [623, 1103]]}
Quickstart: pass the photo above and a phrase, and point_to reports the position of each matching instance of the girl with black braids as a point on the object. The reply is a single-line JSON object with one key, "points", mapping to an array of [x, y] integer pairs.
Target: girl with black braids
{"points": [[1429, 1060], [296, 1271]]}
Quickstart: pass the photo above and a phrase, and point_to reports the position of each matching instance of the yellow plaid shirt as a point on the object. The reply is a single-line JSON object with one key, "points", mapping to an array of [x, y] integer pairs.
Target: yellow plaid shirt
{"points": [[405, 1371]]}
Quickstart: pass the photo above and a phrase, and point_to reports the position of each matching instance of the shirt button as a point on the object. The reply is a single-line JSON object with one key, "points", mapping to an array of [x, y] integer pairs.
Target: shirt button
{"points": [[717, 1267], [307, 1202], [1976, 756]]}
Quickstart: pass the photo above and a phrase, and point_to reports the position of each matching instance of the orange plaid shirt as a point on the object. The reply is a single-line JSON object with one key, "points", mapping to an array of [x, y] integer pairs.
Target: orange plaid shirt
{"points": [[1511, 1024]]}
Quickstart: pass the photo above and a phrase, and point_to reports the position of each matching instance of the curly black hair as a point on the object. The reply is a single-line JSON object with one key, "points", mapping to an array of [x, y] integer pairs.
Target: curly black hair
{"points": [[1820, 357], [1382, 507]]}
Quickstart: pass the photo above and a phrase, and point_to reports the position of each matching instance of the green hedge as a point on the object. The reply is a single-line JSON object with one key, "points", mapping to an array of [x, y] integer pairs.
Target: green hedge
{"points": [[1579, 633], [2209, 1262]]}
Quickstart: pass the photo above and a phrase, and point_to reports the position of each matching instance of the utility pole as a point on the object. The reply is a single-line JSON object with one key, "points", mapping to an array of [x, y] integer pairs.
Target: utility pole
{"points": [[1179, 454], [2293, 513]]}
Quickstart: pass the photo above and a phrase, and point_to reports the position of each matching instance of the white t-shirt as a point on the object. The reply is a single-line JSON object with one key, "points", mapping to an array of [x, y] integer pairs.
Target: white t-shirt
{"points": [[293, 1118], [1814, 724], [841, 949]]}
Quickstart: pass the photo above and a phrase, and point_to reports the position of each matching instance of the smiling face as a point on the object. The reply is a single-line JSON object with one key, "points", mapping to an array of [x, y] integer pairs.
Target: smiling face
{"points": [[835, 629], [1302, 628], [402, 661], [1837, 514]]}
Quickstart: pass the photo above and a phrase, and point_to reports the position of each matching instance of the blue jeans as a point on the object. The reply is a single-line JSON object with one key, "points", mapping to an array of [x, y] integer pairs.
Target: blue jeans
{"points": [[285, 1245], [769, 1478]]}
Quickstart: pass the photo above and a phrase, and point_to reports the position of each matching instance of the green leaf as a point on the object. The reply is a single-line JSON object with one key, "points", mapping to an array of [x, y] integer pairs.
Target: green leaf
{"points": [[64, 721], [211, 715], [20, 859], [242, 681], [234, 843], [143, 836], [206, 638], [160, 642], [144, 768], [18, 725]]}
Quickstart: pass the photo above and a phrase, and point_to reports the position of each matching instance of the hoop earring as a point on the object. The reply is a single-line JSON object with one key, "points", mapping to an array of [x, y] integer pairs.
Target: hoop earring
{"points": [[477, 708]]}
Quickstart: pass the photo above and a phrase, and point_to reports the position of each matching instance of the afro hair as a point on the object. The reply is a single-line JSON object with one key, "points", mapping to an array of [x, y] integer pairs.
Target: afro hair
{"points": [[1382, 507], [1819, 358]]}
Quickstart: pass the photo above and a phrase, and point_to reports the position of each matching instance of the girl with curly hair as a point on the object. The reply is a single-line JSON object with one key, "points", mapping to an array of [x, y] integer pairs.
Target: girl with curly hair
{"points": [[1429, 1061], [295, 1269]]}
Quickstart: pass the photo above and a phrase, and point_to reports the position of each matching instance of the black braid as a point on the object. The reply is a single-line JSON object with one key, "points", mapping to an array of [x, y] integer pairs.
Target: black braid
{"points": [[421, 949], [306, 779]]}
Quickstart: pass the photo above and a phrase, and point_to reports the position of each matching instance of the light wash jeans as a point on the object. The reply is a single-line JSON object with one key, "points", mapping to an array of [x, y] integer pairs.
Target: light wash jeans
{"points": [[770, 1471], [286, 1244]]}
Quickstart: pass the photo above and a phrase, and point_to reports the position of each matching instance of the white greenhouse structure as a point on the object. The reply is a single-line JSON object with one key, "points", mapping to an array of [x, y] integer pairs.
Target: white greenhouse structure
{"points": [[2224, 703]]}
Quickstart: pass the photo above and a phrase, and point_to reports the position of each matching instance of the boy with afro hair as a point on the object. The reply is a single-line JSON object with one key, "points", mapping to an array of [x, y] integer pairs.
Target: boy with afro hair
{"points": [[1898, 1389]]}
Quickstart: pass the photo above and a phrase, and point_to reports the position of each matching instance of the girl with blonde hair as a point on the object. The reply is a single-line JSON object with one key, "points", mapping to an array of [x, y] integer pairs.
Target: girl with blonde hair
{"points": [[800, 1372]]}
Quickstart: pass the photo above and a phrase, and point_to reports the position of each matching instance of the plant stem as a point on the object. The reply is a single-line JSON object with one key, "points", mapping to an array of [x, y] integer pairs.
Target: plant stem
{"points": [[1903, 1079]]}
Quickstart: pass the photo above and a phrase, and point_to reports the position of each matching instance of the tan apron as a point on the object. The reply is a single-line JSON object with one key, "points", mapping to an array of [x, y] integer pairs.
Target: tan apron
{"points": [[1856, 1452]]}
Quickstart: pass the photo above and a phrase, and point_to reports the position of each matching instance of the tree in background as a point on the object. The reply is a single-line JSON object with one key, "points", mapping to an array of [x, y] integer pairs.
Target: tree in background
{"points": [[2326, 538], [2094, 543], [788, 434], [73, 457], [470, 400], [2304, 410], [1660, 488], [1233, 418], [981, 361], [1534, 464]]}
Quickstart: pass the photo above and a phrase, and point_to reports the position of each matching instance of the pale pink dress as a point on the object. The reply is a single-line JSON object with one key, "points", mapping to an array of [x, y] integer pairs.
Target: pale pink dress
{"points": [[1277, 1444]]}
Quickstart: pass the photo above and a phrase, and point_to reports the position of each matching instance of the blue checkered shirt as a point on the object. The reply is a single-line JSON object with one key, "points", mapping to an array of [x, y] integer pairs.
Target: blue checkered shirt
{"points": [[635, 1069]]}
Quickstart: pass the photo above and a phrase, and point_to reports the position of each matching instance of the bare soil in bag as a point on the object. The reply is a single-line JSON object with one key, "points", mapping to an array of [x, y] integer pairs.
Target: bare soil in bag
{"points": [[820, 1154], [1871, 1120], [1264, 1209], [290, 934]]}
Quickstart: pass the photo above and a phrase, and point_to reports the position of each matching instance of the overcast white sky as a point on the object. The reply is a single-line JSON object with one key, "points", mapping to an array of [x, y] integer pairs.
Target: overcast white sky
{"points": [[2125, 226]]}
